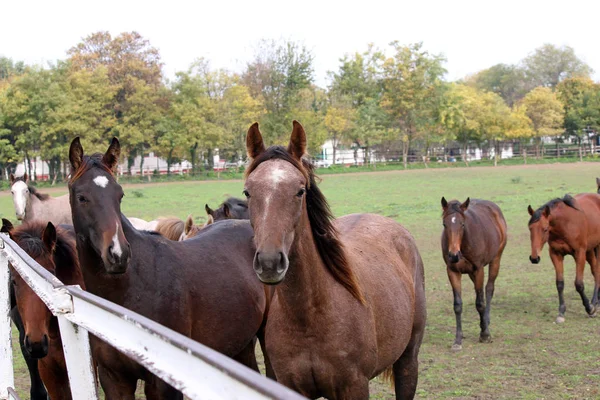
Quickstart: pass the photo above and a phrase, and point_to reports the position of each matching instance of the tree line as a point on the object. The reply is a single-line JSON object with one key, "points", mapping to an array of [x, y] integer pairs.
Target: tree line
{"points": [[394, 100]]}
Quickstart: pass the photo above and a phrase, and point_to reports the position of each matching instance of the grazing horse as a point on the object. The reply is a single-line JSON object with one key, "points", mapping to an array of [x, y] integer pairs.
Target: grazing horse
{"points": [[350, 300], [203, 288], [232, 208], [54, 249], [474, 236], [571, 226], [31, 204]]}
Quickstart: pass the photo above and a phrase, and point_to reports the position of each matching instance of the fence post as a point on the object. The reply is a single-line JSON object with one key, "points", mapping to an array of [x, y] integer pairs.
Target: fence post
{"points": [[7, 378], [78, 356]]}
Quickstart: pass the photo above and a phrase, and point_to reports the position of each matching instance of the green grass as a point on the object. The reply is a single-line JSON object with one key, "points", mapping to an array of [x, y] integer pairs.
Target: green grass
{"points": [[530, 357]]}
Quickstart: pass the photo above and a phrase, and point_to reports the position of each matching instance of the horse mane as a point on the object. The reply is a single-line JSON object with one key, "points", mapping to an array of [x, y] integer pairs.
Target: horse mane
{"points": [[234, 201], [326, 236], [40, 196], [453, 207], [171, 227], [567, 199], [29, 237], [89, 162]]}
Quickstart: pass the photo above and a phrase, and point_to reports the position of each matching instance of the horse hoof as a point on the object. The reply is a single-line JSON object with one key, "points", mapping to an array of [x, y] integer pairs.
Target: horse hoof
{"points": [[593, 313], [456, 347], [485, 339], [560, 319]]}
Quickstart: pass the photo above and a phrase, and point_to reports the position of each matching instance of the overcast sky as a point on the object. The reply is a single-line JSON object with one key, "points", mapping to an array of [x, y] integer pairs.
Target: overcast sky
{"points": [[472, 35]]}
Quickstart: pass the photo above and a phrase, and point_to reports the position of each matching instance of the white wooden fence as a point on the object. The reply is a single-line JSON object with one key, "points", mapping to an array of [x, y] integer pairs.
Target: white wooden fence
{"points": [[196, 370]]}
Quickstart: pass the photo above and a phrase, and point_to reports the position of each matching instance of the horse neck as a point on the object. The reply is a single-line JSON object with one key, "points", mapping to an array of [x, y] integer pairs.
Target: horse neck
{"points": [[307, 284], [32, 209]]}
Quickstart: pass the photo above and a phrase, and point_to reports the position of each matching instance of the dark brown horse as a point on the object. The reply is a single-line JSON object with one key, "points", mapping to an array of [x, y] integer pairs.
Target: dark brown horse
{"points": [[474, 236], [54, 249], [598, 185], [203, 288], [571, 226], [350, 300], [232, 208]]}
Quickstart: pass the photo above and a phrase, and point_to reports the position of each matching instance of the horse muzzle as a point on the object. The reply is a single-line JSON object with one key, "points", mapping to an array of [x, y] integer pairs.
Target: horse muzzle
{"points": [[535, 260], [37, 349], [454, 257], [20, 217], [270, 267], [116, 262]]}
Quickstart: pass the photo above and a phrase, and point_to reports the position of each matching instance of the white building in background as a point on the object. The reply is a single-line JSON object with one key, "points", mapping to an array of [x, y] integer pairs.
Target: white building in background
{"points": [[343, 156]]}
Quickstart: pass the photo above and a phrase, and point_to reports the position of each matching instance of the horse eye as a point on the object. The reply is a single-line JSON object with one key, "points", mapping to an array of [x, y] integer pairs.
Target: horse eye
{"points": [[444, 225], [245, 192], [81, 199], [301, 192]]}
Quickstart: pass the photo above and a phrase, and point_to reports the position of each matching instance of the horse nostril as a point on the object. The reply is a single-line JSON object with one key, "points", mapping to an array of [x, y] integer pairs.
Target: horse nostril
{"points": [[27, 343]]}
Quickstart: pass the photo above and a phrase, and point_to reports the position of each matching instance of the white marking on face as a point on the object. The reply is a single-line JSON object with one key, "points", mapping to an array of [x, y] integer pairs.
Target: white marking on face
{"points": [[101, 181], [453, 220], [116, 250], [20, 193], [277, 175]]}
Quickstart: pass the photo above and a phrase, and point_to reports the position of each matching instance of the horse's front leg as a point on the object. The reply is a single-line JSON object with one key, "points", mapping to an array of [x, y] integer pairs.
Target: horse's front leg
{"points": [[580, 258], [477, 278], [455, 282], [557, 261]]}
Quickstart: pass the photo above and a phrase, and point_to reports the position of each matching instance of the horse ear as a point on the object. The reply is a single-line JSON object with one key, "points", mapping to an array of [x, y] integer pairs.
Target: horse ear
{"points": [[25, 177], [209, 210], [254, 141], [75, 154], [530, 210], [7, 226], [111, 157], [210, 220], [444, 203], [546, 212], [465, 205], [297, 146], [226, 210], [12, 179], [49, 236], [189, 222]]}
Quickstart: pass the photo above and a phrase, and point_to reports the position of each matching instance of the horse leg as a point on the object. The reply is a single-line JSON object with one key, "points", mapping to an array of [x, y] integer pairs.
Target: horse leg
{"points": [[477, 278], [580, 257], [455, 282], [37, 390], [248, 356], [55, 377], [592, 259], [117, 385], [157, 389], [263, 347], [493, 270], [557, 260]]}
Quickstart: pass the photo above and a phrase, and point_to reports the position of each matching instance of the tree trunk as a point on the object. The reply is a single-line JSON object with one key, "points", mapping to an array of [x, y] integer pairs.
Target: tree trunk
{"points": [[524, 150], [210, 159], [496, 153], [141, 160], [580, 155], [169, 161], [334, 143], [405, 153], [464, 154], [193, 156]]}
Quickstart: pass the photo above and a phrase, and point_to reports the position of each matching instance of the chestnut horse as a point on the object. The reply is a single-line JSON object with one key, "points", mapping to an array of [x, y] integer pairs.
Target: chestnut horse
{"points": [[350, 300], [571, 226], [54, 249], [474, 236], [203, 288]]}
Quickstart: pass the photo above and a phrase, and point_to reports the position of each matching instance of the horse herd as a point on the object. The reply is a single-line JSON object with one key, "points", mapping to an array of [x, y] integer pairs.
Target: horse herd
{"points": [[332, 302]]}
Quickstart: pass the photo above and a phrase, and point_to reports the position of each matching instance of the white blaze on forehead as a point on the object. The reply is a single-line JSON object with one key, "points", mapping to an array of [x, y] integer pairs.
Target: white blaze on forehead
{"points": [[116, 249], [19, 190], [277, 175], [101, 181], [453, 220]]}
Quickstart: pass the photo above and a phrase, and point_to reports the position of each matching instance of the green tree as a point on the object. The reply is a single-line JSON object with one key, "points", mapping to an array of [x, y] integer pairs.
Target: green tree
{"points": [[548, 65], [508, 81], [545, 112], [520, 128]]}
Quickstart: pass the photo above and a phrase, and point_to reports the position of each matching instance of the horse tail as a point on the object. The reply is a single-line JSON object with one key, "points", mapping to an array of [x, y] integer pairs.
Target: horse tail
{"points": [[387, 376]]}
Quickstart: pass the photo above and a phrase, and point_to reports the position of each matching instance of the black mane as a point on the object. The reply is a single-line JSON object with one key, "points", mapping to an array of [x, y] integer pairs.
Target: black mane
{"points": [[567, 199]]}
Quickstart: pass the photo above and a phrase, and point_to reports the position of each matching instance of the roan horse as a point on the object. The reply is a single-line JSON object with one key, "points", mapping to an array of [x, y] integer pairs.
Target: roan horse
{"points": [[203, 288], [570, 226], [352, 305], [31, 204], [54, 249], [474, 236]]}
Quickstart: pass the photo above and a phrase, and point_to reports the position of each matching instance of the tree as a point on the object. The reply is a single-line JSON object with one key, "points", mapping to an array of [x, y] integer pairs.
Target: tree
{"points": [[545, 112], [520, 128], [508, 81], [411, 80], [549, 65], [339, 121]]}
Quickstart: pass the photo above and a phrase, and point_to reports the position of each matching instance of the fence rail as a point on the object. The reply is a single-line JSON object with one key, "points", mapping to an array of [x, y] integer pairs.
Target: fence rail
{"points": [[198, 371]]}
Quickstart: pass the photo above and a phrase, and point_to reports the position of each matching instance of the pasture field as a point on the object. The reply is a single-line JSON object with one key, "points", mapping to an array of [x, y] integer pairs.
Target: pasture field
{"points": [[531, 357]]}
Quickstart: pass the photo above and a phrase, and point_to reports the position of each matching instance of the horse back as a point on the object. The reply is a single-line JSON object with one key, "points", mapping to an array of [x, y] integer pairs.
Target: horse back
{"points": [[589, 204], [486, 232]]}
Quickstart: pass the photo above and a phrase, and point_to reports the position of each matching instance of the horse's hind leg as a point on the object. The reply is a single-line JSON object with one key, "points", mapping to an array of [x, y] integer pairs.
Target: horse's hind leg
{"points": [[494, 268], [592, 259], [557, 261], [580, 258], [455, 282], [37, 390]]}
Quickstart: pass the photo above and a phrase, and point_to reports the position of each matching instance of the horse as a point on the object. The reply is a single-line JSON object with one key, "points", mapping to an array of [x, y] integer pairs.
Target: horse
{"points": [[170, 227], [203, 288], [350, 300], [31, 204], [232, 208], [54, 249], [571, 226], [474, 235], [598, 185]]}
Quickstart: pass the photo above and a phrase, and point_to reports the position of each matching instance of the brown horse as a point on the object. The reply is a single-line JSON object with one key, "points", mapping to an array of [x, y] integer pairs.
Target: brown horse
{"points": [[54, 249], [571, 226], [190, 229], [232, 208], [353, 302], [203, 288], [598, 185], [170, 227], [474, 236]]}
